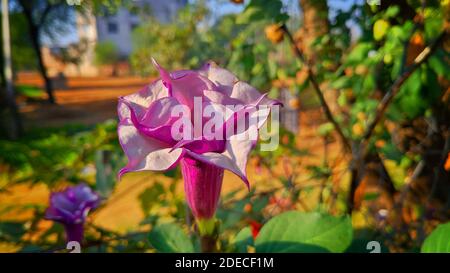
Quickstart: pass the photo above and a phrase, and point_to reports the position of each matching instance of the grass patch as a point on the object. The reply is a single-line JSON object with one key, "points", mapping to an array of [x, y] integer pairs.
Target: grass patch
{"points": [[29, 91]]}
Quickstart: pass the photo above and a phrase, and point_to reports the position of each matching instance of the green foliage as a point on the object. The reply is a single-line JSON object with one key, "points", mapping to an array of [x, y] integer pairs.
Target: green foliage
{"points": [[104, 7], [305, 232], [170, 238], [262, 10], [243, 240], [438, 241], [183, 43], [167, 43], [106, 53], [23, 55], [54, 155], [29, 91], [11, 231]]}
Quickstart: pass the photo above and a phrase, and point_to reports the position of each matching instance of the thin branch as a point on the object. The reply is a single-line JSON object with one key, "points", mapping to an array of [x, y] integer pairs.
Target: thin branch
{"points": [[317, 89]]}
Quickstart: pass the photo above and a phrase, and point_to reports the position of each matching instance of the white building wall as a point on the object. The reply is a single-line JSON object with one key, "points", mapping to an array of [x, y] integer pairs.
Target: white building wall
{"points": [[87, 31], [118, 27]]}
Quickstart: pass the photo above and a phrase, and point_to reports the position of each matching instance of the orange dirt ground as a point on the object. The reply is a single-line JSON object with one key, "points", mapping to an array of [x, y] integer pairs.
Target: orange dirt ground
{"points": [[85, 100]]}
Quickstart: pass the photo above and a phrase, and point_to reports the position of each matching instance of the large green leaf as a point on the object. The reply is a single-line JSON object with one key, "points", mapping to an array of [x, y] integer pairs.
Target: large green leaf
{"points": [[243, 239], [170, 238], [305, 232], [12, 231], [438, 241]]}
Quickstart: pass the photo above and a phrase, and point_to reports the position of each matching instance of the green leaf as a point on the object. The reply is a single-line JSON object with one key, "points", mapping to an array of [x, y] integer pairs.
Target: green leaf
{"points": [[325, 129], [359, 53], [243, 239], [260, 203], [392, 11], [12, 231], [438, 241], [371, 196], [305, 232], [170, 238], [258, 10], [395, 171], [433, 23], [341, 83], [439, 65], [409, 97]]}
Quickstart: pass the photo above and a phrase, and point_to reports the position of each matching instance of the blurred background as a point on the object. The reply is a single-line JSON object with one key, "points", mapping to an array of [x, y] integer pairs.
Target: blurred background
{"points": [[70, 60]]}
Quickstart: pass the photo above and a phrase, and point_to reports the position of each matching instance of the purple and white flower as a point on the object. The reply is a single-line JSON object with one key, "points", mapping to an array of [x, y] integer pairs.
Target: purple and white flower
{"points": [[148, 118], [71, 207]]}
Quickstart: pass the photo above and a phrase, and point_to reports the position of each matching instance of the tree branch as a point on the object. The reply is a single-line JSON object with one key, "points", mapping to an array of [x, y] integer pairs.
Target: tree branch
{"points": [[49, 8], [317, 89], [395, 88]]}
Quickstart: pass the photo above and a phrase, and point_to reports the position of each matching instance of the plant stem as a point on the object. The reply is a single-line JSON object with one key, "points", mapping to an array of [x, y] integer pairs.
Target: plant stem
{"points": [[208, 231], [208, 243]]}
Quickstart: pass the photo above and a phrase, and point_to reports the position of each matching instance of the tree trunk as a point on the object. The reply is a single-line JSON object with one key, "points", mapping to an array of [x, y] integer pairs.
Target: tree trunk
{"points": [[315, 25], [34, 35], [208, 244], [37, 48], [15, 129], [360, 166]]}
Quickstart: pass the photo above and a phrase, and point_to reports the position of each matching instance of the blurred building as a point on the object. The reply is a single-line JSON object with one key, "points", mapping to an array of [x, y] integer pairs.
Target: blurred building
{"points": [[116, 28]]}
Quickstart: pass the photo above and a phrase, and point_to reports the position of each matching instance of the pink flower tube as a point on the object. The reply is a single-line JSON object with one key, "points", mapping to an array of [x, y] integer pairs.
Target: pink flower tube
{"points": [[147, 136]]}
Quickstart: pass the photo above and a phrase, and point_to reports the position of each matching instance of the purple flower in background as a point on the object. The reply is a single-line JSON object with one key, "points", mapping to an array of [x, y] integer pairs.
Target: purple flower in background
{"points": [[147, 137], [70, 208]]}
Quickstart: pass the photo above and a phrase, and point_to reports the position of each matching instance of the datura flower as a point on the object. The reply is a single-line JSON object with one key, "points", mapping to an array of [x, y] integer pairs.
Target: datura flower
{"points": [[71, 207], [161, 126]]}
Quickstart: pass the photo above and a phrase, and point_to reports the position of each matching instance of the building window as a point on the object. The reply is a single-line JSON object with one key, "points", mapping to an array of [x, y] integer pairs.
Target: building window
{"points": [[112, 28]]}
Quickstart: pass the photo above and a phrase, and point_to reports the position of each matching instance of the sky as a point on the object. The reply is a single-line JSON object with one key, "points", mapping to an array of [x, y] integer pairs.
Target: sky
{"points": [[218, 8]]}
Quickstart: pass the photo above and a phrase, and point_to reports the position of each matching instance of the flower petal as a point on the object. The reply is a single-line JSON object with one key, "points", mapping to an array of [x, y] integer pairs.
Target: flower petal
{"points": [[159, 112], [145, 153], [222, 78], [157, 120], [249, 95], [220, 98], [184, 85], [141, 100], [238, 146], [223, 160]]}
